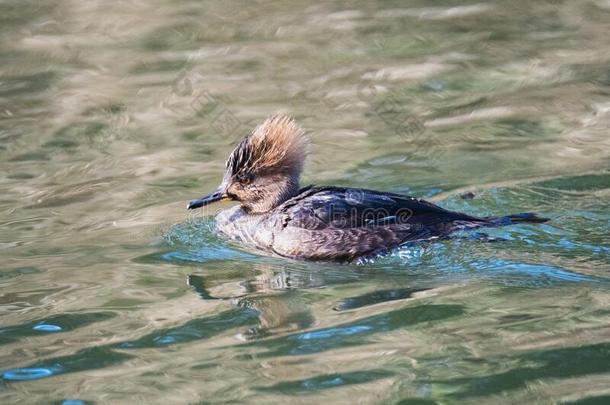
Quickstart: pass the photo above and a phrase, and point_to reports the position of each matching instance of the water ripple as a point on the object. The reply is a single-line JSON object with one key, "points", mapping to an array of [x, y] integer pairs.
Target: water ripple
{"points": [[33, 373]]}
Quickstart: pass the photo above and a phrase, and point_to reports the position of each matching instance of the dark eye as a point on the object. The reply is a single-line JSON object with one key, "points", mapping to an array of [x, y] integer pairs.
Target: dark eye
{"points": [[244, 179]]}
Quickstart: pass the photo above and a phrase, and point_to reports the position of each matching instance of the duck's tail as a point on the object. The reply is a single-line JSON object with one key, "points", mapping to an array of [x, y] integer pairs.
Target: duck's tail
{"points": [[526, 217]]}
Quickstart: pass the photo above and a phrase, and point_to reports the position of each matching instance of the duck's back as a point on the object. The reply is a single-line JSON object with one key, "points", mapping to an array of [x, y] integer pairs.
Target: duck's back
{"points": [[336, 223]]}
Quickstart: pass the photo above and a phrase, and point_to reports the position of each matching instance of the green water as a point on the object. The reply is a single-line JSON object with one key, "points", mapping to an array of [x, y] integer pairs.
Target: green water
{"points": [[114, 114]]}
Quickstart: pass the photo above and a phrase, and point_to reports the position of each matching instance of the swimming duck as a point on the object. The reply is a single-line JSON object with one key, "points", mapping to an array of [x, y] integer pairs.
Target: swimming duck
{"points": [[327, 223]]}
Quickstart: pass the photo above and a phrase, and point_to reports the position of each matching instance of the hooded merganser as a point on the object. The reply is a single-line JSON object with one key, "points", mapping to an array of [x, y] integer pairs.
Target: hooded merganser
{"points": [[320, 223]]}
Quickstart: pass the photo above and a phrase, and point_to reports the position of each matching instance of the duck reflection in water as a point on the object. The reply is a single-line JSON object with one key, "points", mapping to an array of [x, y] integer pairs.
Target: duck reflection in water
{"points": [[277, 294]]}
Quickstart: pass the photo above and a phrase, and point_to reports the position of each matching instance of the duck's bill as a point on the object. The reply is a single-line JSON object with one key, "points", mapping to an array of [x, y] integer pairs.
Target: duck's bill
{"points": [[207, 200]]}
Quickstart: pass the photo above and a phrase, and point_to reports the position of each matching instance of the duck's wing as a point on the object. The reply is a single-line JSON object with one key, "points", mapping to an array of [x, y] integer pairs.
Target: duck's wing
{"points": [[343, 223], [318, 208]]}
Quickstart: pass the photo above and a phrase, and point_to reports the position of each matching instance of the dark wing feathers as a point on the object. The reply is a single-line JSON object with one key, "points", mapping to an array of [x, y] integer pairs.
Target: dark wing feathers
{"points": [[348, 208], [343, 223]]}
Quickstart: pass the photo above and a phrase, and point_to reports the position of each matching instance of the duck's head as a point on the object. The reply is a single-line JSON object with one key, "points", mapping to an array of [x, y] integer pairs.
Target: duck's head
{"points": [[264, 169]]}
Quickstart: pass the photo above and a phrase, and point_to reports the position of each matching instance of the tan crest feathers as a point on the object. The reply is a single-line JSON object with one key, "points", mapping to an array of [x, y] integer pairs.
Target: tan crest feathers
{"points": [[278, 144]]}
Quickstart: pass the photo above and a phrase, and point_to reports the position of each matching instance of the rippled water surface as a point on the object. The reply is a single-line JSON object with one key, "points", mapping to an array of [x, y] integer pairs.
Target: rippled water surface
{"points": [[113, 114]]}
